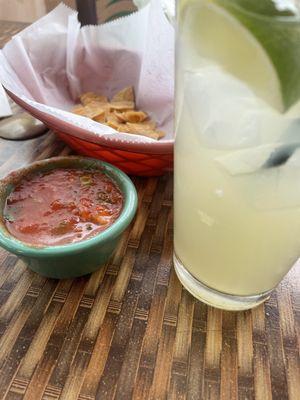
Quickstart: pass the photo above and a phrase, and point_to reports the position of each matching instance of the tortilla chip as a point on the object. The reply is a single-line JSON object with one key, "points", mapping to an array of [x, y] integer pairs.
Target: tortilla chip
{"points": [[112, 117], [98, 110], [120, 114], [123, 128], [153, 134], [160, 134], [78, 109], [149, 125], [136, 128], [85, 111], [122, 105], [89, 97], [113, 124], [112, 121], [101, 117], [134, 116], [98, 104], [139, 129], [126, 94]]}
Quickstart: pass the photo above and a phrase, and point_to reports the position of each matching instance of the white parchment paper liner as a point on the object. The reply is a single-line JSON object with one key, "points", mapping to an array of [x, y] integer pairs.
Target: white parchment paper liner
{"points": [[51, 62]]}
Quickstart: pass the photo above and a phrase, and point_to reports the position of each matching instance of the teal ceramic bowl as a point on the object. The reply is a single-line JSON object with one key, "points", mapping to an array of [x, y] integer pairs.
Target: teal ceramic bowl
{"points": [[76, 259]]}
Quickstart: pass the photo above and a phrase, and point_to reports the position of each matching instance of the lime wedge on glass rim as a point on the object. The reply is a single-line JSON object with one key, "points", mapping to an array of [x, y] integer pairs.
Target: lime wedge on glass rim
{"points": [[253, 40]]}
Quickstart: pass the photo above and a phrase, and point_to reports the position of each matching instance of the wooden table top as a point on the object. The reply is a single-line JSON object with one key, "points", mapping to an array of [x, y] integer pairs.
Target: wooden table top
{"points": [[130, 331]]}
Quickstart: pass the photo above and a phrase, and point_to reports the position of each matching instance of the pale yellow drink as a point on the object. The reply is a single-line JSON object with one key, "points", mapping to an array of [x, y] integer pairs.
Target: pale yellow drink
{"points": [[237, 216]]}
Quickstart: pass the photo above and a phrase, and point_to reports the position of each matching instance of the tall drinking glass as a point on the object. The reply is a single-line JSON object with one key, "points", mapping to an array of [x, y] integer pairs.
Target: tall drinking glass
{"points": [[237, 150]]}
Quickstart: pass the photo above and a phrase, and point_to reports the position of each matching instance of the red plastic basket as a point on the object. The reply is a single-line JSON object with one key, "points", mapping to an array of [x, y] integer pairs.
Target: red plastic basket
{"points": [[142, 164], [135, 158]]}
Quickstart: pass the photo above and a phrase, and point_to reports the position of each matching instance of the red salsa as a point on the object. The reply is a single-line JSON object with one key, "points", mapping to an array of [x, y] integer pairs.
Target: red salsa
{"points": [[62, 206]]}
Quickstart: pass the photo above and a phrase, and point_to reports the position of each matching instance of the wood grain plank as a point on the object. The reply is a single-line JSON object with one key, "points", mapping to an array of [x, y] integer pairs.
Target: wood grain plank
{"points": [[69, 348], [99, 309], [115, 358], [161, 380], [15, 298], [127, 378], [128, 372], [262, 375], [98, 358], [156, 320], [245, 355], [213, 338], [47, 363], [12, 333], [74, 380], [181, 350], [275, 350], [11, 365], [195, 388], [292, 359], [229, 362], [28, 323], [160, 384], [39, 342], [7, 266], [14, 276], [150, 344]]}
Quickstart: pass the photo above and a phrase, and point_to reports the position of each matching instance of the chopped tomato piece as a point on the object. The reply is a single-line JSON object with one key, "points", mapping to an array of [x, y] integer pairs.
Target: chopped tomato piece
{"points": [[62, 206]]}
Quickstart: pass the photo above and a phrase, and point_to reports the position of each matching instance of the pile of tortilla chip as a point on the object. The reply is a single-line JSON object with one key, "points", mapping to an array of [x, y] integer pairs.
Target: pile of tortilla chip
{"points": [[120, 113]]}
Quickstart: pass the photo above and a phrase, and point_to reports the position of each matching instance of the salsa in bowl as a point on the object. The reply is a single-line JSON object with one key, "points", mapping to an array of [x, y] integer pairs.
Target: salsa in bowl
{"points": [[64, 216], [62, 206]]}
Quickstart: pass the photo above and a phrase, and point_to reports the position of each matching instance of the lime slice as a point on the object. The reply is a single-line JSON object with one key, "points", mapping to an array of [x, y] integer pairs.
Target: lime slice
{"points": [[262, 50], [270, 8]]}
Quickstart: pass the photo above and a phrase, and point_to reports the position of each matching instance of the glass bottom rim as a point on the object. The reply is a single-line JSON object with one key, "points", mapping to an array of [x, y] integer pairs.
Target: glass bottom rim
{"points": [[213, 297]]}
